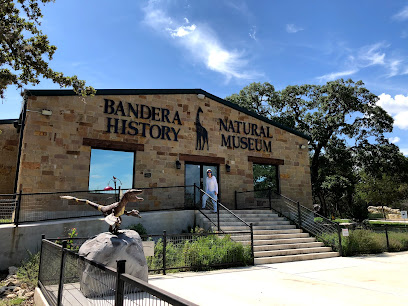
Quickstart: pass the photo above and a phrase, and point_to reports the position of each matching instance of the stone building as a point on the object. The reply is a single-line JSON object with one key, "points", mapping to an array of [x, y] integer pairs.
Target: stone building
{"points": [[174, 136]]}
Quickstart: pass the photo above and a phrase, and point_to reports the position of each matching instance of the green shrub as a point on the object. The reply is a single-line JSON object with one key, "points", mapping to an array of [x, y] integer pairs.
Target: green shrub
{"points": [[364, 242], [375, 216], [398, 241], [342, 220], [358, 242], [388, 223], [199, 253], [28, 271], [138, 228]]}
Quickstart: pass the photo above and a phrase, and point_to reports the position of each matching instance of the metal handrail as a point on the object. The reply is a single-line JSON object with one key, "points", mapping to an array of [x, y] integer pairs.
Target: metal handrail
{"points": [[314, 228], [306, 208], [220, 204], [119, 275]]}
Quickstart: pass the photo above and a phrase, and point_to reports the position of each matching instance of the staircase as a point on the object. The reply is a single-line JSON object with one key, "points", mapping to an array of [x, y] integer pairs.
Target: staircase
{"points": [[275, 239]]}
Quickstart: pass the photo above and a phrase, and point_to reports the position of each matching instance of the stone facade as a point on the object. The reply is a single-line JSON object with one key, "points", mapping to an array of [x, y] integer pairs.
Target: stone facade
{"points": [[56, 149], [8, 156]]}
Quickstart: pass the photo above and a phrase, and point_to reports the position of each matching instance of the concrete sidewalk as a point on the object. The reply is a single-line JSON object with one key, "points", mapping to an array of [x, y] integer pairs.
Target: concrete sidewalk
{"points": [[366, 280]]}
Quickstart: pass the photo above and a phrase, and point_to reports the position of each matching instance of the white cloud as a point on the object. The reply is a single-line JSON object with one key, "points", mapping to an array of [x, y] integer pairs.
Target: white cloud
{"points": [[336, 75], [252, 34], [201, 42], [182, 30], [402, 15], [394, 139], [397, 107], [367, 56], [371, 55], [291, 28]]}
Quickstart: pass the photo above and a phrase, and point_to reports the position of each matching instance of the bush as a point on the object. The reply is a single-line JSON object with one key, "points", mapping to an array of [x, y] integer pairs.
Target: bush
{"points": [[28, 271], [364, 242], [138, 228], [200, 253], [375, 216], [398, 241]]}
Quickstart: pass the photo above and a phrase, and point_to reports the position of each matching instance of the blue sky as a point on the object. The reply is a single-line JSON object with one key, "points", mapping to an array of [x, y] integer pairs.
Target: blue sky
{"points": [[222, 46]]}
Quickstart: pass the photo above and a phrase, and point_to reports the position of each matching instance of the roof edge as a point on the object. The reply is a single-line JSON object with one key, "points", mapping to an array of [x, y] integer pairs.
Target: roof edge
{"points": [[8, 121], [100, 92]]}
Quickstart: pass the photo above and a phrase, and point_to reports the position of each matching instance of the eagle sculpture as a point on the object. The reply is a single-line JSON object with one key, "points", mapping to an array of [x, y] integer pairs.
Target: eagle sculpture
{"points": [[114, 211]]}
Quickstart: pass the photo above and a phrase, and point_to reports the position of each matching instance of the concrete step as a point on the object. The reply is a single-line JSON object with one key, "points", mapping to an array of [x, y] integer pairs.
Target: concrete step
{"points": [[270, 247], [273, 232], [270, 225], [246, 219], [274, 227], [281, 236], [256, 223], [248, 211], [292, 252], [284, 241], [245, 228], [288, 258], [262, 215]]}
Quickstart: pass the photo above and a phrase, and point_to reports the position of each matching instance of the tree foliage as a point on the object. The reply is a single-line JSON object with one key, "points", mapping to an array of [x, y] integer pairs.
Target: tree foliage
{"points": [[346, 128], [25, 51]]}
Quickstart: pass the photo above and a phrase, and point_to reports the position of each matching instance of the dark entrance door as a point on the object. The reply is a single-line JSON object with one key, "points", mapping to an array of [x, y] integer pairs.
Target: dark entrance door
{"points": [[196, 174]]}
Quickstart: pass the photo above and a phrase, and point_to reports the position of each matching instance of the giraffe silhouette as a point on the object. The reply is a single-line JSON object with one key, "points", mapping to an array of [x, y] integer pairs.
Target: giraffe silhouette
{"points": [[202, 134]]}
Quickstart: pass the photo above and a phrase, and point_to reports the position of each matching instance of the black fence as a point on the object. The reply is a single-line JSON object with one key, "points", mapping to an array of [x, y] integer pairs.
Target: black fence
{"points": [[318, 226], [206, 208], [379, 238], [255, 199], [199, 251], [31, 207], [8, 203], [65, 278], [189, 252]]}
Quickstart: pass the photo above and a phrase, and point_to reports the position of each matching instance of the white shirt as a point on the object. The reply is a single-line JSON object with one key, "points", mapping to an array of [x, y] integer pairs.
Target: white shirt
{"points": [[211, 184]]}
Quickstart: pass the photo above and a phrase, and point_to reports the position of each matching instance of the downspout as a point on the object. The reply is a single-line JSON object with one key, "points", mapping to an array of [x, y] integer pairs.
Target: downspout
{"points": [[20, 145]]}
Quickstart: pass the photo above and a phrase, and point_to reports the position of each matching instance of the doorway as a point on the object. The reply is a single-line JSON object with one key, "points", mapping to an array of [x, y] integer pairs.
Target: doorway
{"points": [[196, 174]]}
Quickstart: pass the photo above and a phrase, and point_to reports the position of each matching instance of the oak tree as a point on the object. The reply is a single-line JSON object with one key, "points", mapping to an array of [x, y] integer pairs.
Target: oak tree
{"points": [[25, 50]]}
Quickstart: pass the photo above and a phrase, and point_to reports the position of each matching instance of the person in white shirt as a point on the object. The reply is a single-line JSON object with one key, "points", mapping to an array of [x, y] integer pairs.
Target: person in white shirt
{"points": [[211, 189]]}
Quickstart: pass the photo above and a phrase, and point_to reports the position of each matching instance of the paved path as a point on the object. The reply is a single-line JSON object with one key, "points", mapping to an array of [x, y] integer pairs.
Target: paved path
{"points": [[366, 280]]}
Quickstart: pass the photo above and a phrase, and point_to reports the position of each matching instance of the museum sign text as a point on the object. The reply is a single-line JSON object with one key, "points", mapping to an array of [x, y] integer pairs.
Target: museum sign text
{"points": [[163, 129], [248, 135]]}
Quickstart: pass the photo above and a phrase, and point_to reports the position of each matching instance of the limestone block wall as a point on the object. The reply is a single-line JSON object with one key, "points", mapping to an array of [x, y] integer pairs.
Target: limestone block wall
{"points": [[8, 156], [56, 155]]}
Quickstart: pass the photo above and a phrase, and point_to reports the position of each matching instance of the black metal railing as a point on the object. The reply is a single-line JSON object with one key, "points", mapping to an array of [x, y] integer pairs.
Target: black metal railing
{"points": [[255, 199], [210, 203], [317, 225], [65, 278], [8, 203], [189, 252], [199, 251], [32, 207], [379, 238]]}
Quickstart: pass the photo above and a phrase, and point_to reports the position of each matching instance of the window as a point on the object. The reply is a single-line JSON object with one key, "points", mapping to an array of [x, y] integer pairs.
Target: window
{"points": [[106, 164], [266, 177]]}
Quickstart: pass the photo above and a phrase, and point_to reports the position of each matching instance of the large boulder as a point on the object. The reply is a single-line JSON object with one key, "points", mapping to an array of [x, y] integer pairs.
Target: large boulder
{"points": [[107, 249]]}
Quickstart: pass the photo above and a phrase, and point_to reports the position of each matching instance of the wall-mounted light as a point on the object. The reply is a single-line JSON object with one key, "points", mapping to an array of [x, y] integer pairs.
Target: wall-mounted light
{"points": [[302, 146], [46, 112], [201, 96], [178, 164], [227, 168]]}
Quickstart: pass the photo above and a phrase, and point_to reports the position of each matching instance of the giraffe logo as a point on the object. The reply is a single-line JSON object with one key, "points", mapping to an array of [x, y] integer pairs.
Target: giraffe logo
{"points": [[202, 134]]}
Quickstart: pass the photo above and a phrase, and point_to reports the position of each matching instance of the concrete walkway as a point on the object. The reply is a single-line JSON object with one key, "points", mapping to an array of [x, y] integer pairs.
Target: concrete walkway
{"points": [[366, 280]]}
